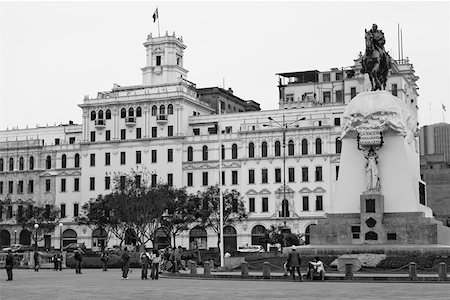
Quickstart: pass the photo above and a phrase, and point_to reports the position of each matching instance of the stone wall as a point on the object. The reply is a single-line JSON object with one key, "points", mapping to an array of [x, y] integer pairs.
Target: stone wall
{"points": [[438, 192]]}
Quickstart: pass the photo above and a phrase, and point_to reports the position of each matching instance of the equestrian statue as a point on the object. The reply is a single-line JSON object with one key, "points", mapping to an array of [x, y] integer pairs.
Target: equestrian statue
{"points": [[376, 61]]}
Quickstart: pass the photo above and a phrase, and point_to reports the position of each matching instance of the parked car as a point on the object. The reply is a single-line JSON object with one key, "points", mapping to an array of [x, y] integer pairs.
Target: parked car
{"points": [[251, 248], [74, 246]]}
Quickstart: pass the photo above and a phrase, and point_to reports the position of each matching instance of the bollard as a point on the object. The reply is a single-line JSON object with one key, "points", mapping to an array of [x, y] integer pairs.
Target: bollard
{"points": [[348, 271], [244, 269], [193, 267], [266, 270], [442, 271], [206, 268], [412, 271]]}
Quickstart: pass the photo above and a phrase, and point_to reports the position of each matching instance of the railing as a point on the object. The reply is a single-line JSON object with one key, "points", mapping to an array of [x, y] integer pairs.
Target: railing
{"points": [[161, 119], [130, 121], [100, 124]]}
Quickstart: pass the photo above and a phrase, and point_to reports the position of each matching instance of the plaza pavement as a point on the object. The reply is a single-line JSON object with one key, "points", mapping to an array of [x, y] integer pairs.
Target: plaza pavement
{"points": [[96, 284]]}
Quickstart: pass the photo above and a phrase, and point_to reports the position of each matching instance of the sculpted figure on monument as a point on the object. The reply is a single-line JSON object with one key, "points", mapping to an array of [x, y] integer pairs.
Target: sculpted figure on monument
{"points": [[372, 173], [376, 61]]}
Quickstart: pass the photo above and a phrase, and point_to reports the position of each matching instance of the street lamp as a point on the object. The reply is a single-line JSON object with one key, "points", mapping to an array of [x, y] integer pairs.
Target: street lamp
{"points": [[15, 236], [60, 236], [36, 226], [284, 126]]}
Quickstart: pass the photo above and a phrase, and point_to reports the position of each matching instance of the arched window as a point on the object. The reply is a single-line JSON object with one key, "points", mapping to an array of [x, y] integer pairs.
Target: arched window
{"points": [[170, 109], [48, 162], [162, 110], [234, 151], [77, 161], [123, 113], [264, 149], [251, 149], [138, 111], [108, 114], [318, 146], [277, 148], [21, 164], [25, 237], [304, 147], [100, 114], [258, 235], [63, 161], [93, 115], [338, 145], [190, 154], [131, 112], [205, 153], [69, 236], [1, 164], [154, 110], [31, 166], [291, 148], [198, 238], [223, 151], [11, 164], [229, 238], [285, 209]]}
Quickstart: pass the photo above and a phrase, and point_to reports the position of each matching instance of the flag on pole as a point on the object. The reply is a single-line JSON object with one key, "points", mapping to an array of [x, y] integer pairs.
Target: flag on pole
{"points": [[155, 15], [443, 107]]}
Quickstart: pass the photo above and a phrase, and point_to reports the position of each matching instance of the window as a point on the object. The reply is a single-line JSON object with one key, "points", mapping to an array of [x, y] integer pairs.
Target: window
{"points": [[123, 134], [10, 187], [122, 182], [205, 178], [223, 151], [107, 135], [20, 187], [337, 172], [304, 174], [326, 97], [76, 184], [154, 132], [190, 153], [319, 203], [318, 146], [9, 213], [394, 89], [251, 204], [63, 161], [92, 136], [190, 181], [291, 174], [338, 145], [162, 110], [158, 60], [284, 208], [138, 133], [370, 206], [131, 112], [93, 115], [72, 140], [326, 77], [291, 148], [170, 155], [123, 113], [251, 176], [352, 92], [21, 164], [264, 149], [92, 183], [138, 157], [1, 187], [223, 177], [77, 161], [305, 203], [1, 165], [251, 150], [154, 156], [339, 96], [108, 114], [265, 204], [48, 162], [205, 153], [277, 148], [337, 121], [234, 151], [264, 176], [154, 180], [170, 179], [31, 166], [170, 130], [154, 110], [234, 177], [196, 131], [75, 209], [138, 112], [123, 157], [289, 97], [339, 76], [356, 231], [107, 182], [170, 109], [92, 160], [304, 147], [107, 158], [318, 173], [63, 184], [63, 210], [100, 115], [47, 185], [11, 164], [277, 175]]}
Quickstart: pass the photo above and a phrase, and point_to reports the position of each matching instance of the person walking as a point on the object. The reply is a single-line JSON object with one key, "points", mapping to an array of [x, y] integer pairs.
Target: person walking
{"points": [[36, 260], [55, 262], [9, 265], [59, 259], [293, 262], [145, 262], [104, 258], [156, 260], [125, 263], [78, 260]]}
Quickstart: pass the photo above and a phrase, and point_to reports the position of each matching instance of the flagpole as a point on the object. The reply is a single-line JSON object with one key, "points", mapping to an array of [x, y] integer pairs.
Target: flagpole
{"points": [[159, 34], [222, 246]]}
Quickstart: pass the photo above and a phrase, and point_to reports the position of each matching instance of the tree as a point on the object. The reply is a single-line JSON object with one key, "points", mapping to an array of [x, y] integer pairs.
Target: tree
{"points": [[233, 209]]}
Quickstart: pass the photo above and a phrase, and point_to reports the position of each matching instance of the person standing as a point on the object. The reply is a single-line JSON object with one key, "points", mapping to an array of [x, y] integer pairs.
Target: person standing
{"points": [[104, 258], [55, 261], [36, 260], [78, 260], [293, 262], [125, 263], [155, 264], [9, 265], [59, 259], [145, 262]]}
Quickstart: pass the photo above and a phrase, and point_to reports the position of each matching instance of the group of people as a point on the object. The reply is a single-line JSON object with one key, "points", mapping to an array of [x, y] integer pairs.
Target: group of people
{"points": [[172, 259], [150, 260], [294, 260]]}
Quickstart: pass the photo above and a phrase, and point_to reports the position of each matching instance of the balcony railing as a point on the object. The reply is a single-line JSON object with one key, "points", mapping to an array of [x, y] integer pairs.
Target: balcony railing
{"points": [[100, 123], [161, 119], [130, 121]]}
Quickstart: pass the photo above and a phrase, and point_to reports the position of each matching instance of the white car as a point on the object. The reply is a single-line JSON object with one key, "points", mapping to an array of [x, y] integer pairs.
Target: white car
{"points": [[251, 248]]}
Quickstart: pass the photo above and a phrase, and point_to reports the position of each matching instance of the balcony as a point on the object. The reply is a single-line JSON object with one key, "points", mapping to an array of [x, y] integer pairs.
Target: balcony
{"points": [[161, 119], [130, 121], [100, 124]]}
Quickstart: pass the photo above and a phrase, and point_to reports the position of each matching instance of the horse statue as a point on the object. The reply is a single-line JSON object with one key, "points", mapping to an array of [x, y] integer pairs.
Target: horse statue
{"points": [[376, 62]]}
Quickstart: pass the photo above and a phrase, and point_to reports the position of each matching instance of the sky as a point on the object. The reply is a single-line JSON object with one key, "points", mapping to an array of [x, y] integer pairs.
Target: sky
{"points": [[54, 53]]}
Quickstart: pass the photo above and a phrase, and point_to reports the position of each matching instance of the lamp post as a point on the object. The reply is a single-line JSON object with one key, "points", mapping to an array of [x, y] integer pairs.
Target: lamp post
{"points": [[60, 236], [36, 226], [284, 126]]}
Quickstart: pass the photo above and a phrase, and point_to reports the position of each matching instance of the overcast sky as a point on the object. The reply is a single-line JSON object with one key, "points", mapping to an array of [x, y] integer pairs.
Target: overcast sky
{"points": [[52, 54]]}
